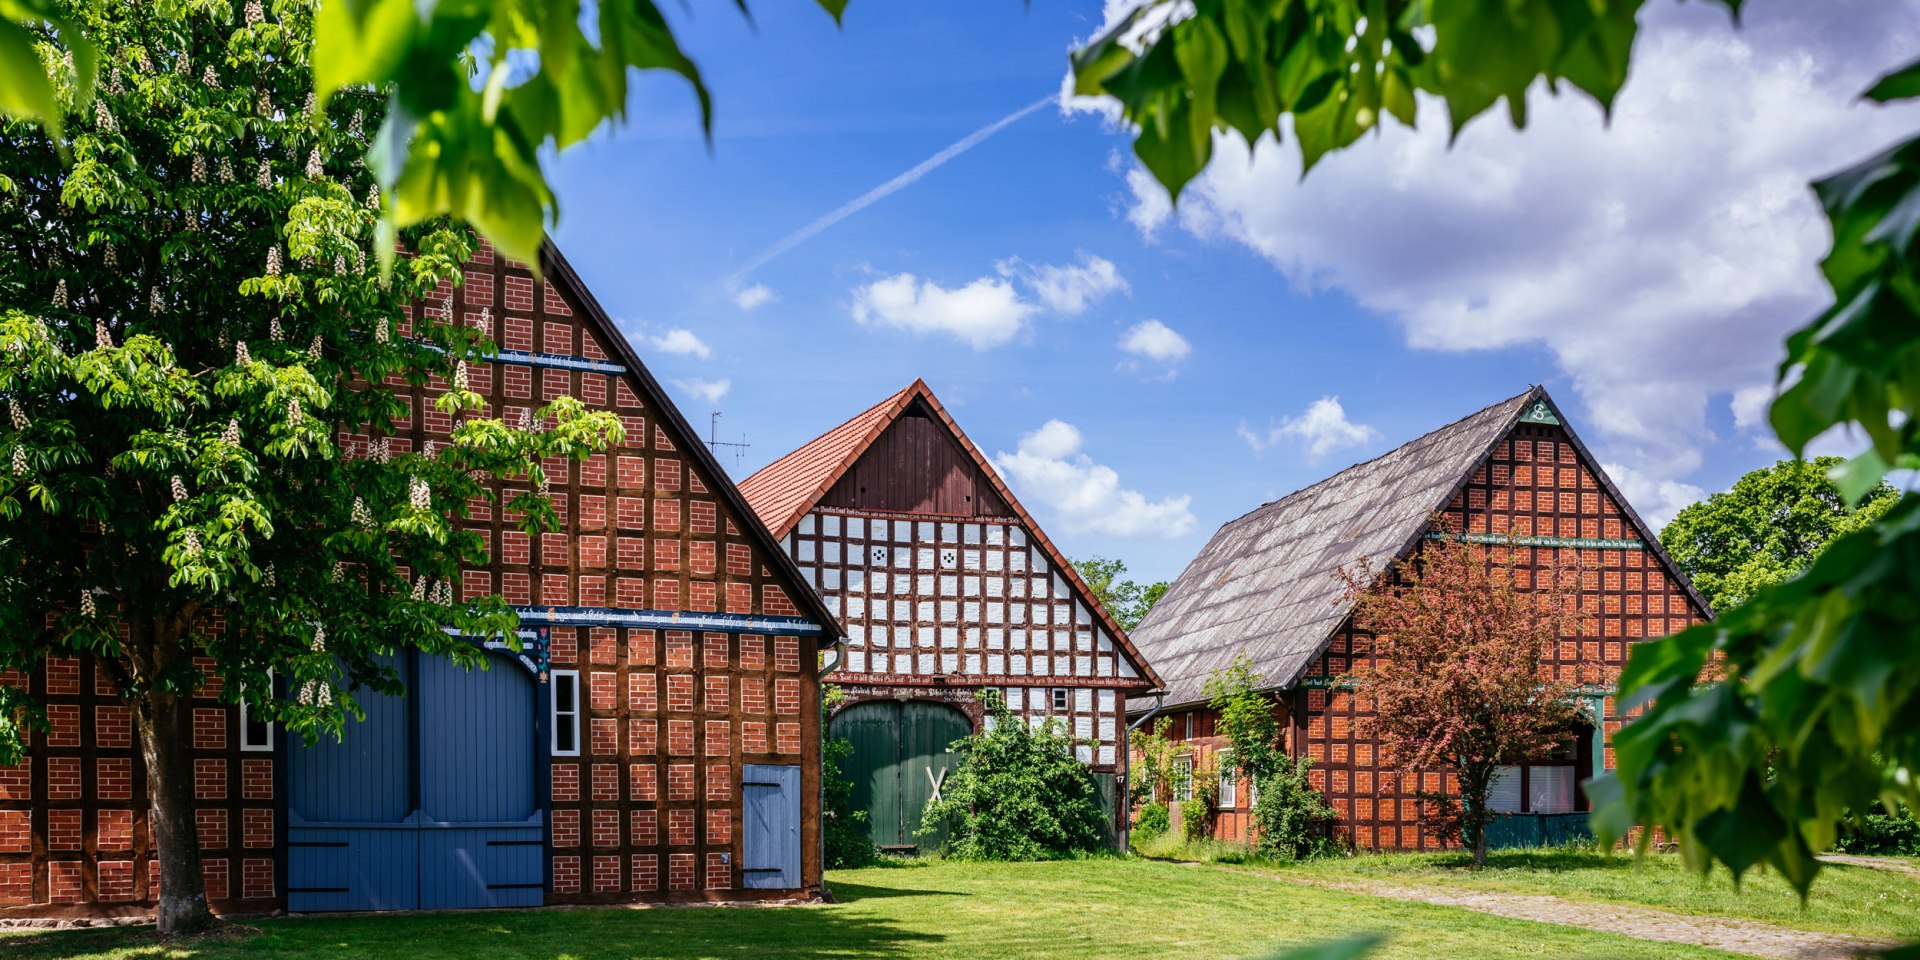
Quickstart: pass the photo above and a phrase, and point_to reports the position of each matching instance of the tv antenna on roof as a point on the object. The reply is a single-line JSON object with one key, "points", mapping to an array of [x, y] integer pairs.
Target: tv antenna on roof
{"points": [[714, 442]]}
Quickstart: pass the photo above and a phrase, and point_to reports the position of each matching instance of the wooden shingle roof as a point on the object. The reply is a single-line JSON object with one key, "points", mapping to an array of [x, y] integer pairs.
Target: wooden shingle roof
{"points": [[1267, 583], [785, 490]]}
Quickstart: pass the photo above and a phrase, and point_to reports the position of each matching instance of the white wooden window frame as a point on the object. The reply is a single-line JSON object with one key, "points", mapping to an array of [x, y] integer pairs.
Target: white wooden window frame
{"points": [[1182, 779], [569, 717], [1229, 782], [246, 745]]}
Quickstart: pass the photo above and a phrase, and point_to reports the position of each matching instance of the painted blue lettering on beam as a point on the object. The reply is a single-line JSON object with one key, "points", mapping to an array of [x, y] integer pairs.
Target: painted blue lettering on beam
{"points": [[527, 358], [1579, 543], [558, 361], [667, 620]]}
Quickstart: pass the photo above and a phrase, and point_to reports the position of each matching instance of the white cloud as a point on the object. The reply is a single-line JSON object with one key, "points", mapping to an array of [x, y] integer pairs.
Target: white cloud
{"points": [[709, 390], [681, 341], [1069, 289], [754, 297], [1659, 258], [1656, 499], [1050, 468], [1155, 341], [1323, 429], [985, 313]]}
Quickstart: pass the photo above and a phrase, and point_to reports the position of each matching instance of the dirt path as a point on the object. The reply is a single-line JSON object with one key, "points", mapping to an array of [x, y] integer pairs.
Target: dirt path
{"points": [[1719, 933], [1893, 864]]}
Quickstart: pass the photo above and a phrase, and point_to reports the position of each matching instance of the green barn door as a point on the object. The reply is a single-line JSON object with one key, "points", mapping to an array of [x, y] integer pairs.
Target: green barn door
{"points": [[900, 759], [927, 732]]}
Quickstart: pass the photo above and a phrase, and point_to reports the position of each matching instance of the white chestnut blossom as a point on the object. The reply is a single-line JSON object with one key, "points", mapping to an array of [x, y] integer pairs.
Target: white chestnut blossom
{"points": [[273, 260], [418, 494], [240, 355], [294, 416], [17, 414], [102, 337], [314, 170], [231, 435], [60, 295], [179, 488], [87, 608]]}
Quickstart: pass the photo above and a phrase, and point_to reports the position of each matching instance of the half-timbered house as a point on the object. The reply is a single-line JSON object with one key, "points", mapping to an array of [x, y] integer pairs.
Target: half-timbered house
{"points": [[657, 738], [947, 589], [1266, 585]]}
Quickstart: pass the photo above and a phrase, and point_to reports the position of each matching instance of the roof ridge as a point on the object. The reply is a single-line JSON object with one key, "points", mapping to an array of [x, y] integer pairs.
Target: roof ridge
{"points": [[1382, 455]]}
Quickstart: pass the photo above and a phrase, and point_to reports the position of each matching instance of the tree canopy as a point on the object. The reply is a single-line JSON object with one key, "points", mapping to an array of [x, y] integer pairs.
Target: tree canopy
{"points": [[1766, 528], [190, 330], [1460, 637], [1126, 600]]}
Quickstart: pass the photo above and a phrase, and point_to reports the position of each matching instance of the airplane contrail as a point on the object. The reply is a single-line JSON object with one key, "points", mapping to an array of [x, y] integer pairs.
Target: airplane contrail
{"points": [[882, 191]]}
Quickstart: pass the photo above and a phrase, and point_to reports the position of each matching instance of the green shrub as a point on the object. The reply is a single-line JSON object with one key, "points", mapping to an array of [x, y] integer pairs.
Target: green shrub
{"points": [[1196, 814], [1290, 816], [1016, 793], [1881, 833], [843, 826], [1153, 821]]}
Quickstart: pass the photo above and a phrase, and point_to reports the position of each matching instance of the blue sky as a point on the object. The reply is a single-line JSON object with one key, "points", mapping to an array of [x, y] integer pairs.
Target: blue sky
{"points": [[1644, 273]]}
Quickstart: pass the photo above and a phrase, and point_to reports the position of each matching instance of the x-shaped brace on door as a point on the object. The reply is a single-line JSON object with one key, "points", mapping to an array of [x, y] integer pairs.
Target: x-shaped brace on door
{"points": [[936, 782]]}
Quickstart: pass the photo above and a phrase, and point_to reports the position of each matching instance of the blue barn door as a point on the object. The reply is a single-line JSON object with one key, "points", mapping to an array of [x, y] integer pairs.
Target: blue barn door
{"points": [[482, 837], [770, 816], [432, 802], [351, 843]]}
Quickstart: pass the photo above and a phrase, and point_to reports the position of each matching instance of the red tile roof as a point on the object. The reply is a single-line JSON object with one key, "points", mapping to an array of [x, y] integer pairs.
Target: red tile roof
{"points": [[783, 491]]}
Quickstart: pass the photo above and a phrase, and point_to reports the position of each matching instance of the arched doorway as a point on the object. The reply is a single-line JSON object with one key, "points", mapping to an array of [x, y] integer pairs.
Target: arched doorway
{"points": [[902, 751], [431, 802]]}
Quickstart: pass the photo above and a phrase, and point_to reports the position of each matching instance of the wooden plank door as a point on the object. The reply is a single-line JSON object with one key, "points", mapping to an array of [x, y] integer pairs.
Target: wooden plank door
{"points": [[770, 822]]}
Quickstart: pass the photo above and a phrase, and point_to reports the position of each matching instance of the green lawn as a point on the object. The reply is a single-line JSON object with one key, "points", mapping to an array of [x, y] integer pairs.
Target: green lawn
{"points": [[1846, 899], [1089, 909]]}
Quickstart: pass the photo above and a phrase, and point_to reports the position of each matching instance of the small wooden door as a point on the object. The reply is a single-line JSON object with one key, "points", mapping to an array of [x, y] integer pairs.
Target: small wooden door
{"points": [[902, 753], [770, 821]]}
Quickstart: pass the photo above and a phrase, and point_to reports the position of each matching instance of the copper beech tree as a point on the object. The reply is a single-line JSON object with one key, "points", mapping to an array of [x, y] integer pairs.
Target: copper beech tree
{"points": [[1461, 635]]}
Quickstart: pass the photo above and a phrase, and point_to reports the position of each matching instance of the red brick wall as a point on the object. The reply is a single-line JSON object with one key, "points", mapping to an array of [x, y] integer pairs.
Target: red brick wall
{"points": [[658, 776], [74, 836], [1533, 485]]}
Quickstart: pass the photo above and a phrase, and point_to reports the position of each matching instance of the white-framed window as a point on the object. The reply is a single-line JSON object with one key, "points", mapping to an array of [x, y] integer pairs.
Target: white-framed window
{"points": [[1183, 778], [256, 736], [1503, 791], [1229, 782], [1189, 721], [1062, 699], [566, 712]]}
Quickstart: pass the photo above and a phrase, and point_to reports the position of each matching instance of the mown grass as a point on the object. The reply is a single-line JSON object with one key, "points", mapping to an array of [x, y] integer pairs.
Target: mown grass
{"points": [[1096, 908]]}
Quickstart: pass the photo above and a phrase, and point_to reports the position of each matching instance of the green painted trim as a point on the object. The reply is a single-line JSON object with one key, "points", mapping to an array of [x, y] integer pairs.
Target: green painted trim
{"points": [[1540, 412], [1508, 540]]}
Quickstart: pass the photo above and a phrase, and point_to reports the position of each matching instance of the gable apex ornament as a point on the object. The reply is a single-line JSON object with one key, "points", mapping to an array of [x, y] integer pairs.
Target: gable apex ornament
{"points": [[1539, 412]]}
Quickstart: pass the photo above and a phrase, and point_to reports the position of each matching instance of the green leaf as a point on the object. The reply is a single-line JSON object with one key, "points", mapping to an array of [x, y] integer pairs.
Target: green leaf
{"points": [[25, 89], [1900, 84], [834, 8], [1349, 949], [359, 41]]}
